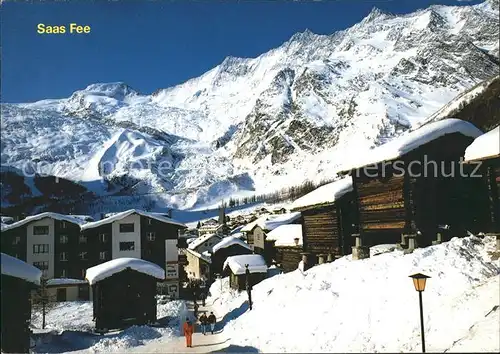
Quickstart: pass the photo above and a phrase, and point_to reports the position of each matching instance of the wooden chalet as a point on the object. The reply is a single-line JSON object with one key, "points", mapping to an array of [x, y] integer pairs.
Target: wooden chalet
{"points": [[327, 218], [124, 291], [485, 152], [18, 280], [257, 230], [406, 186], [235, 267], [227, 247], [288, 242]]}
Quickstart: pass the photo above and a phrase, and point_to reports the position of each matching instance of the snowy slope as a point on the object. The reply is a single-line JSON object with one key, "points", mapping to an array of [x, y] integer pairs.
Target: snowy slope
{"points": [[372, 306], [296, 112]]}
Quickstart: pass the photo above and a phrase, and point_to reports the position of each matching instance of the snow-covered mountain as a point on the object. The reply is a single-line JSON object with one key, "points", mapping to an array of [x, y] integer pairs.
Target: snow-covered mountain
{"points": [[293, 113]]}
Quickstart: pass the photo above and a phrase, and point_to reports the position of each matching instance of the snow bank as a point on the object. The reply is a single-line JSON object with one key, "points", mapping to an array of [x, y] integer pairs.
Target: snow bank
{"points": [[256, 264], [119, 216], [371, 305], [16, 268], [326, 194], [105, 270], [230, 241], [485, 146], [74, 219], [412, 140], [72, 323], [285, 235]]}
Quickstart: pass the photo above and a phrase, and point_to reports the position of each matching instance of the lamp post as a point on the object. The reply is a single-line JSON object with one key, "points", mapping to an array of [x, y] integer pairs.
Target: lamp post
{"points": [[419, 280], [249, 288]]}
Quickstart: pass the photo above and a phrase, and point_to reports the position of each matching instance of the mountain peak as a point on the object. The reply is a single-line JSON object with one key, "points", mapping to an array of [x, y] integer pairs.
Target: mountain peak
{"points": [[303, 36], [111, 89], [375, 14]]}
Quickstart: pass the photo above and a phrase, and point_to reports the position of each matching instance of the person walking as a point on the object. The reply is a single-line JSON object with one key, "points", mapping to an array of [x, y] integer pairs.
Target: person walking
{"points": [[188, 332], [203, 297], [212, 320], [204, 323], [196, 309]]}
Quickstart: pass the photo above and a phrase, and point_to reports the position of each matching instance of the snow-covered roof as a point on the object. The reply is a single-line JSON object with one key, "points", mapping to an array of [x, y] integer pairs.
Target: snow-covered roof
{"points": [[75, 219], [7, 220], [123, 214], [285, 235], [19, 269], [107, 269], [205, 257], [256, 264], [270, 222], [486, 146], [326, 194], [65, 281], [230, 241], [411, 141], [200, 240]]}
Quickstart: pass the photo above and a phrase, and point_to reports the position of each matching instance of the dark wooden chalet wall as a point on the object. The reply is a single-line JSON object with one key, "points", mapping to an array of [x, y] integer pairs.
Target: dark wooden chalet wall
{"points": [[16, 314], [154, 251], [327, 229], [491, 177], [391, 205], [289, 258], [238, 282], [219, 257], [125, 298]]}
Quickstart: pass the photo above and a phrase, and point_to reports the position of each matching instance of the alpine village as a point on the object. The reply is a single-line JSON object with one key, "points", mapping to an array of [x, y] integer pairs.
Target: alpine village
{"points": [[423, 203]]}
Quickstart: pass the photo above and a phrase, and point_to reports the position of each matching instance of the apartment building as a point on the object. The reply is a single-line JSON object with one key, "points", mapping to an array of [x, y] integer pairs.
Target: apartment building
{"points": [[64, 246]]}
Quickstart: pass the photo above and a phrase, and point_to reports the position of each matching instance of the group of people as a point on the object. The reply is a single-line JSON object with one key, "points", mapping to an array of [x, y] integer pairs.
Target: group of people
{"points": [[205, 322]]}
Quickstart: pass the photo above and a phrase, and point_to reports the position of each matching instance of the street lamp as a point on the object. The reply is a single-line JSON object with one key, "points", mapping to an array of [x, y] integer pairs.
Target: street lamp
{"points": [[419, 280], [249, 288]]}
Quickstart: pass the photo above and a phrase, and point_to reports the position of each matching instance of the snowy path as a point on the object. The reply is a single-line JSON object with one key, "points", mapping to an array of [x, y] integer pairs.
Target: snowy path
{"points": [[209, 343]]}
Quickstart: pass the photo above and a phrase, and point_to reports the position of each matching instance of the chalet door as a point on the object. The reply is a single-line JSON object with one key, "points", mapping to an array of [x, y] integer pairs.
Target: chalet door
{"points": [[83, 292], [61, 294]]}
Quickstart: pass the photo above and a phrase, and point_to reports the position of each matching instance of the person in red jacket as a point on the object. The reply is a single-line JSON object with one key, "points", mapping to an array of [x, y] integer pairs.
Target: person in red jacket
{"points": [[188, 333]]}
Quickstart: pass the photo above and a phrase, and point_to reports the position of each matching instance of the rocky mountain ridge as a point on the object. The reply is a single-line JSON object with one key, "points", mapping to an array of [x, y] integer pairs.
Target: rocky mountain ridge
{"points": [[293, 113]]}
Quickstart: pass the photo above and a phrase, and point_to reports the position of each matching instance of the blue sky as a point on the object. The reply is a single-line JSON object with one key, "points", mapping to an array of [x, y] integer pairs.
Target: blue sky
{"points": [[151, 45]]}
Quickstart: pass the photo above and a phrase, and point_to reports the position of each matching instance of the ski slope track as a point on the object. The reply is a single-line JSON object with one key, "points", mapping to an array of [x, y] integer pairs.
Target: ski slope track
{"points": [[257, 124]]}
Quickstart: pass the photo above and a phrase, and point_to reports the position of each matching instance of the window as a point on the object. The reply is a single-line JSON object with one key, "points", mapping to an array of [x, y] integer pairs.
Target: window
{"points": [[103, 255], [127, 227], [82, 239], [63, 225], [103, 237], [41, 248], [151, 236], [44, 265], [16, 240], [63, 273], [83, 256], [63, 239], [40, 230], [63, 256], [127, 246]]}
